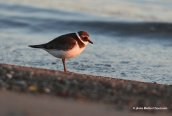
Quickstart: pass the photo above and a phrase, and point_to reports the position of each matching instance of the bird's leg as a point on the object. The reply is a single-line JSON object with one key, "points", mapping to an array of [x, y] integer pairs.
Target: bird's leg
{"points": [[63, 60]]}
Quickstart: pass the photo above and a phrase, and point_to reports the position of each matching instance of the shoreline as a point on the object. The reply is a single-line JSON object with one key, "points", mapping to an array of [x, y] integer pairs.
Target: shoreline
{"points": [[56, 72], [120, 94]]}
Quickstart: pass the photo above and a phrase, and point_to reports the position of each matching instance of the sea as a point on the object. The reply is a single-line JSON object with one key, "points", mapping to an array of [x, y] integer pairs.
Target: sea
{"points": [[132, 38]]}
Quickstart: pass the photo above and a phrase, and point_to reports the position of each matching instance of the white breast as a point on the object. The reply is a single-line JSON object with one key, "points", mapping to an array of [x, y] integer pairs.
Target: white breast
{"points": [[76, 50]]}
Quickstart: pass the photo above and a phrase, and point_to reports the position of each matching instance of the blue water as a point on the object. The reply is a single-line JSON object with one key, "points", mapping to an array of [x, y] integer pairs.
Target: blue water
{"points": [[132, 39]]}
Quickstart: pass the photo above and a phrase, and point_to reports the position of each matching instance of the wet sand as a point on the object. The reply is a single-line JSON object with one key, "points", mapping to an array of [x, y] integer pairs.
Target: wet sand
{"points": [[33, 91]]}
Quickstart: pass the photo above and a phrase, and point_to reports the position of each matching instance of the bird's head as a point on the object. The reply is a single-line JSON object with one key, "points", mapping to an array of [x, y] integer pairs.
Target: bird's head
{"points": [[84, 36]]}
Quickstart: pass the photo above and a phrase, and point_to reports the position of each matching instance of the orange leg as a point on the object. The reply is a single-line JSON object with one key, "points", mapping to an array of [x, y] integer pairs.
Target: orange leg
{"points": [[63, 60]]}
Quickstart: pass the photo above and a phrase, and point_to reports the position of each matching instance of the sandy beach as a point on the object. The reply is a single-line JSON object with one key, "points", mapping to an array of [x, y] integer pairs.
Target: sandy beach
{"points": [[29, 91], [18, 104]]}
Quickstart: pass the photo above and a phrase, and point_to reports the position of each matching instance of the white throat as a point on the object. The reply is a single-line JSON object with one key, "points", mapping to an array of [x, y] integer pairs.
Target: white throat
{"points": [[81, 39]]}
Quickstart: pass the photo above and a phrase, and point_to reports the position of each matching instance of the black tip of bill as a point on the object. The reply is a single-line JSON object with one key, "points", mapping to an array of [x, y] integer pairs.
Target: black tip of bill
{"points": [[90, 41]]}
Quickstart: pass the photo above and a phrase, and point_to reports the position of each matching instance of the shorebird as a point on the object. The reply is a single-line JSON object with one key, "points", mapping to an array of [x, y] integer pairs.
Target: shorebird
{"points": [[66, 46]]}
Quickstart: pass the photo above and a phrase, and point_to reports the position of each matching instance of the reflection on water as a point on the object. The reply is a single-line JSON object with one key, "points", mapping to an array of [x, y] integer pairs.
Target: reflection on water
{"points": [[133, 10]]}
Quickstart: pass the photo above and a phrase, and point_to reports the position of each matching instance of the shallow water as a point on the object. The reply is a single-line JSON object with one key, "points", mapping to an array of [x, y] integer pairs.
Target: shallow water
{"points": [[132, 40]]}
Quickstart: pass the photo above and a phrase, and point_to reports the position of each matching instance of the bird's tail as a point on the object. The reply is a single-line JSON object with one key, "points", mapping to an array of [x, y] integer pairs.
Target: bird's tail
{"points": [[38, 46]]}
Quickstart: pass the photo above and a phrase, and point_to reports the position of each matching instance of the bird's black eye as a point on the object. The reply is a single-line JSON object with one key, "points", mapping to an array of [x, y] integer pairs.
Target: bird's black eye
{"points": [[85, 38]]}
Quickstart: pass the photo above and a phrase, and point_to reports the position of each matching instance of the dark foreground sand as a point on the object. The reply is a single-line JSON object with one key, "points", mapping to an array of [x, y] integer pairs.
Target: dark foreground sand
{"points": [[17, 104], [31, 91]]}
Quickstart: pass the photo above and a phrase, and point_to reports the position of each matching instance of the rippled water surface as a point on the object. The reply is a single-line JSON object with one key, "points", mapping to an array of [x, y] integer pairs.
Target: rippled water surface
{"points": [[132, 40]]}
